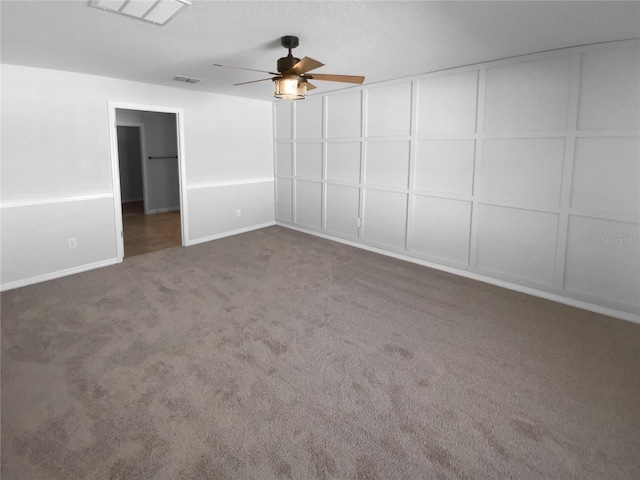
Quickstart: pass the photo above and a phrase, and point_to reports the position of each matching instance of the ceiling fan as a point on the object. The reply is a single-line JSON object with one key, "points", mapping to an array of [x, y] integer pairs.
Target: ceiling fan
{"points": [[291, 81]]}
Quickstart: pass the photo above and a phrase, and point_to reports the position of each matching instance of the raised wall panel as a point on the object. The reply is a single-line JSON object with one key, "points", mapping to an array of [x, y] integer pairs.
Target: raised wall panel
{"points": [[528, 96], [284, 159], [309, 160], [389, 110], [448, 104], [283, 120], [441, 228], [606, 175], [518, 243], [309, 203], [309, 118], [342, 210], [344, 115], [387, 163], [385, 215], [284, 197], [609, 89], [343, 161], [445, 166], [523, 170], [603, 259]]}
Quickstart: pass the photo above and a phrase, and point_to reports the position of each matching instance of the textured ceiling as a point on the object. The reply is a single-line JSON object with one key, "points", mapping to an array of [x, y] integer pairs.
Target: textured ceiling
{"points": [[381, 40]]}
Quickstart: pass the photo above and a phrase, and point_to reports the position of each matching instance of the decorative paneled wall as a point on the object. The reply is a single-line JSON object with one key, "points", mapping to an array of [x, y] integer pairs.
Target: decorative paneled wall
{"points": [[525, 171]]}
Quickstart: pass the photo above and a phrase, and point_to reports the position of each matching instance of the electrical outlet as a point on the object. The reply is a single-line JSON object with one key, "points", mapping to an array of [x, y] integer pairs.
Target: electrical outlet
{"points": [[238, 212], [358, 222], [73, 243]]}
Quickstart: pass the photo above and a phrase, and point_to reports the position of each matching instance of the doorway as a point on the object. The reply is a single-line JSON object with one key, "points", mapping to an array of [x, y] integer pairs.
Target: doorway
{"points": [[146, 233], [148, 167]]}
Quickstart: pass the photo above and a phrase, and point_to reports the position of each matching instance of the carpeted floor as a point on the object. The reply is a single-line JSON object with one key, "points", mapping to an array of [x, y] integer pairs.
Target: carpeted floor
{"points": [[276, 354]]}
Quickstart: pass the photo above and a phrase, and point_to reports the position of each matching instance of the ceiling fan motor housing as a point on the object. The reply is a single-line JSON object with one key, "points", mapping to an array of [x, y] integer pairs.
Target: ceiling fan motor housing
{"points": [[286, 63]]}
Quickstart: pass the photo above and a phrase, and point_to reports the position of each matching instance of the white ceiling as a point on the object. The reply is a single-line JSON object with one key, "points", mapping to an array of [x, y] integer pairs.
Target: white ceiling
{"points": [[381, 40]]}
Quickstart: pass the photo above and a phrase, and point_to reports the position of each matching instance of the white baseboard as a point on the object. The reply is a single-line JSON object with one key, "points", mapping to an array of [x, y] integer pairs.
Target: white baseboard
{"points": [[228, 234], [112, 261], [53, 275], [162, 210], [612, 312]]}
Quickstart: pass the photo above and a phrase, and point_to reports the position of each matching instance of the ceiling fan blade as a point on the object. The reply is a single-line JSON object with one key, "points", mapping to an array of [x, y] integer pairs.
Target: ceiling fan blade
{"points": [[305, 65], [310, 86], [253, 81], [337, 78], [242, 68]]}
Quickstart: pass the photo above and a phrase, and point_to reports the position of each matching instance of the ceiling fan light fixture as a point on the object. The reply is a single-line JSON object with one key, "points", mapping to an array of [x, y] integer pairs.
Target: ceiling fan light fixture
{"points": [[292, 81], [290, 88]]}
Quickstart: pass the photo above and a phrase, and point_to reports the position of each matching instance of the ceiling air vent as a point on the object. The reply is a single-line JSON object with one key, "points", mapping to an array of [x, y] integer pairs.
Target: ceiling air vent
{"points": [[180, 78], [158, 12]]}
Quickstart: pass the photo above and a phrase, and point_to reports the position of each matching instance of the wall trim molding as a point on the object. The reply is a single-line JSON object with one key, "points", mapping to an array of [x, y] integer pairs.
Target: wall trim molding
{"points": [[230, 183], [572, 302], [50, 200], [230, 233], [163, 210], [112, 108], [58, 274]]}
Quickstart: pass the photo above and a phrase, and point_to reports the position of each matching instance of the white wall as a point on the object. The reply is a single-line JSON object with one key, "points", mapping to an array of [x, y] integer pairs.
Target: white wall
{"points": [[56, 167], [523, 172]]}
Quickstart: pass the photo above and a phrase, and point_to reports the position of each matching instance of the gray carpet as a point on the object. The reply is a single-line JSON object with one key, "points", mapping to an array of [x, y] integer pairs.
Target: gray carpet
{"points": [[276, 354]]}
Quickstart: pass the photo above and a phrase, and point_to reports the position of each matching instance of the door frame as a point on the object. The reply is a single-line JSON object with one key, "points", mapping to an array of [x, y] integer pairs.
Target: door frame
{"points": [[115, 168]]}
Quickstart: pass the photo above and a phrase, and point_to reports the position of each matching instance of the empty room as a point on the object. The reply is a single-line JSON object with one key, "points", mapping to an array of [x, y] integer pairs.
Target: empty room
{"points": [[320, 240]]}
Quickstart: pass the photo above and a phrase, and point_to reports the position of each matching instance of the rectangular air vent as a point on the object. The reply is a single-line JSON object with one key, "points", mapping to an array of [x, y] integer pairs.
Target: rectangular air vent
{"points": [[158, 12], [180, 78]]}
